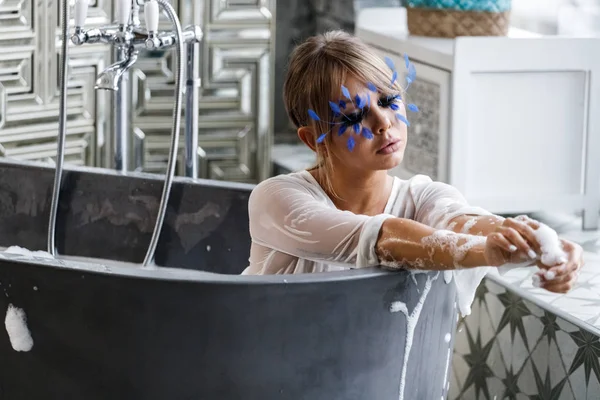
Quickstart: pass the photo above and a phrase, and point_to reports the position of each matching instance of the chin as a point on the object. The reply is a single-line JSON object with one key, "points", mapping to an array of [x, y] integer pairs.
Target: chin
{"points": [[392, 161]]}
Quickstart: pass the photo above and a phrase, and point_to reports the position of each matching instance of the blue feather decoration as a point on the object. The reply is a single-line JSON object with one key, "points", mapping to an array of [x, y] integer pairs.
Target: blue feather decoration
{"points": [[356, 128], [321, 138], [406, 60], [372, 87], [394, 77], [412, 73], [389, 62], [350, 143], [346, 92], [313, 115], [413, 107], [366, 132], [394, 106], [342, 129], [360, 102], [334, 107], [342, 104], [402, 118]]}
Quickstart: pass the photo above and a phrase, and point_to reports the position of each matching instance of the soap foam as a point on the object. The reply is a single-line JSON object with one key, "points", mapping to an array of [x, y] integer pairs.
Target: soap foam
{"points": [[468, 225], [28, 253], [16, 326], [552, 251], [411, 323]]}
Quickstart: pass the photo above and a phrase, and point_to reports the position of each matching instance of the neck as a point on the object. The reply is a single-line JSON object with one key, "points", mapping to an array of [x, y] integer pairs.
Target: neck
{"points": [[361, 192]]}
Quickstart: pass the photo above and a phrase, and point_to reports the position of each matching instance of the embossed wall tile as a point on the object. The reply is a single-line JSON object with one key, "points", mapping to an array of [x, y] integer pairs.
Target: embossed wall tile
{"points": [[236, 61]]}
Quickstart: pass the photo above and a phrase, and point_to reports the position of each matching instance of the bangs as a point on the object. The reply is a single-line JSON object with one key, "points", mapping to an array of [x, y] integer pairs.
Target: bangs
{"points": [[375, 71]]}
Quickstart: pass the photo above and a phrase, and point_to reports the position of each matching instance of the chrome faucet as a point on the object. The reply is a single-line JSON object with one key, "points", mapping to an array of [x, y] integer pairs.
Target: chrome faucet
{"points": [[129, 37]]}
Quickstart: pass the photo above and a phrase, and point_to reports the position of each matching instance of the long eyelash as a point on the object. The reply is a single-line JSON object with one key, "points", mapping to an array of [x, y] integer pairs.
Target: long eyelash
{"points": [[387, 101], [355, 118]]}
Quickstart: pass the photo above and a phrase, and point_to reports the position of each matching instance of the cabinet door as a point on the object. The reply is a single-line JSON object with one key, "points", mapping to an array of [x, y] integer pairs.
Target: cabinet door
{"points": [[427, 148]]}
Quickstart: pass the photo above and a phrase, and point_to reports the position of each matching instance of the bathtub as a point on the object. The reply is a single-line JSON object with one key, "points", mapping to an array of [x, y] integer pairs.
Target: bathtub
{"points": [[192, 327]]}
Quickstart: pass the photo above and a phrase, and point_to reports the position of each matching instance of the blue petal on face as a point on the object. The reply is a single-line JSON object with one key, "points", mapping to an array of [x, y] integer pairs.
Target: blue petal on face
{"points": [[342, 104], [413, 107], [366, 132], [334, 107], [356, 128], [350, 143], [394, 106], [360, 102], [402, 118], [372, 87], [321, 138], [346, 92], [313, 115], [342, 129]]}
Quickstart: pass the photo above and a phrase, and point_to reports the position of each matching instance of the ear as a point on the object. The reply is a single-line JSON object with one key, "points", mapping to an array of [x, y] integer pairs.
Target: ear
{"points": [[305, 134]]}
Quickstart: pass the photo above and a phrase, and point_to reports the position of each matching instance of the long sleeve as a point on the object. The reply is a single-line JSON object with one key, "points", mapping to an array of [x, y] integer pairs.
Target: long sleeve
{"points": [[436, 203], [291, 217]]}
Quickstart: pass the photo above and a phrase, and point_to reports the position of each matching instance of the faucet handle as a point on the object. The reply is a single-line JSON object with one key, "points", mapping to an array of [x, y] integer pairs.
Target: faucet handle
{"points": [[151, 15], [81, 7], [122, 11]]}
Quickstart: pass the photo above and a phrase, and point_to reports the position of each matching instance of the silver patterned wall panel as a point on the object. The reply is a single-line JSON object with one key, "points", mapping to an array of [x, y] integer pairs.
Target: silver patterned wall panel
{"points": [[235, 109], [29, 96]]}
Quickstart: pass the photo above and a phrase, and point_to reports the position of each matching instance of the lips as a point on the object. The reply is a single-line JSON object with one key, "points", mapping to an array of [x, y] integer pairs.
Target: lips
{"points": [[390, 146]]}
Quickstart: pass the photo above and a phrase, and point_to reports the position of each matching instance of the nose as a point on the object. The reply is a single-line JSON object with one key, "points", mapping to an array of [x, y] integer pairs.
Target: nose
{"points": [[381, 121]]}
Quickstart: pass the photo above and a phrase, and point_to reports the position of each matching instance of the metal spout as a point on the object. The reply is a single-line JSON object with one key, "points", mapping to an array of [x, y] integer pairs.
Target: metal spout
{"points": [[109, 78]]}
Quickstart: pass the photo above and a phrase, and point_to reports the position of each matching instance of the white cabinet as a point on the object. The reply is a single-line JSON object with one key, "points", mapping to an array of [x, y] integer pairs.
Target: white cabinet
{"points": [[512, 122]]}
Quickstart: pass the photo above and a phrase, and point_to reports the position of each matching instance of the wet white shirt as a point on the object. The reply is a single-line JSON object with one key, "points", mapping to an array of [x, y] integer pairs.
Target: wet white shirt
{"points": [[296, 228]]}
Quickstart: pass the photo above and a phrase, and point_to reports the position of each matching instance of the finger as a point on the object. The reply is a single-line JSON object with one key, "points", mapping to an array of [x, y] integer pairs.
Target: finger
{"points": [[569, 279], [526, 231], [560, 287], [531, 222], [564, 269], [499, 240], [516, 239], [548, 278]]}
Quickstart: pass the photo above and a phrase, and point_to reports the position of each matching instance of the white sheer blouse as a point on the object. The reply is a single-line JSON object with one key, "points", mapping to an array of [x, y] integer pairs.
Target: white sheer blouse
{"points": [[296, 228]]}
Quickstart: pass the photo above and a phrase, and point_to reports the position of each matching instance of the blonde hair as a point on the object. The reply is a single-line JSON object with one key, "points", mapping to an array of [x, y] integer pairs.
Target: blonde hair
{"points": [[317, 69]]}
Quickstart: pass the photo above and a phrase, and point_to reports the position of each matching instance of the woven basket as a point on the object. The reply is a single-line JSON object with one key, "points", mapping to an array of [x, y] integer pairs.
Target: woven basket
{"points": [[455, 18]]}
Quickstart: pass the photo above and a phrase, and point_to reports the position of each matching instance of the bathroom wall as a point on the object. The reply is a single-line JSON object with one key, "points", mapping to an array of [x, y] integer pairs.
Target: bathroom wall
{"points": [[235, 108]]}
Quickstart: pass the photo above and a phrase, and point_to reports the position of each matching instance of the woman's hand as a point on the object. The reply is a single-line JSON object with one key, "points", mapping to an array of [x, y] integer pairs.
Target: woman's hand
{"points": [[561, 278], [513, 242]]}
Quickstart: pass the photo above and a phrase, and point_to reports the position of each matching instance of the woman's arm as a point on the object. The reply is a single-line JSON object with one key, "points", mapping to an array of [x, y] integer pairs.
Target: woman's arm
{"points": [[481, 225], [286, 216], [413, 244]]}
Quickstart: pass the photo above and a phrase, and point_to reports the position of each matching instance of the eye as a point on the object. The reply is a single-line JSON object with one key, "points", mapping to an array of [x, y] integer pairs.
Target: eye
{"points": [[389, 102], [354, 118]]}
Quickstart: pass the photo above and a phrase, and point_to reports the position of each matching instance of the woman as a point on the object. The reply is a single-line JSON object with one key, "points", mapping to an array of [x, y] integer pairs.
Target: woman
{"points": [[347, 212]]}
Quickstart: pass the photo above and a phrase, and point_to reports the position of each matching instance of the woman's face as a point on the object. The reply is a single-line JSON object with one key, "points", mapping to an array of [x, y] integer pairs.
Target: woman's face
{"points": [[385, 150]]}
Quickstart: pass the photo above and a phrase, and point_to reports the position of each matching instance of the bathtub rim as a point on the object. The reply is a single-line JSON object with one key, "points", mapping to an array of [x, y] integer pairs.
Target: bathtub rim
{"points": [[189, 275], [246, 187]]}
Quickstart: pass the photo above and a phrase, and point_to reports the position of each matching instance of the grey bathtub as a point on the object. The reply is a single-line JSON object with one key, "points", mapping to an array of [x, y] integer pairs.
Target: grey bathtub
{"points": [[199, 331]]}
